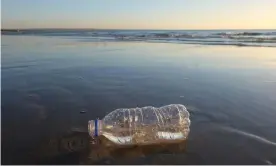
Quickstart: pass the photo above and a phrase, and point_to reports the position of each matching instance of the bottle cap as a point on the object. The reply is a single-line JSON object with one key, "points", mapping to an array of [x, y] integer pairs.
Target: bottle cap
{"points": [[93, 127]]}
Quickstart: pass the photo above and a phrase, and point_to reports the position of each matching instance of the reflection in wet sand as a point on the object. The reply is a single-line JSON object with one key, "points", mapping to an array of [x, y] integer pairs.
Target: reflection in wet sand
{"points": [[101, 151], [83, 150]]}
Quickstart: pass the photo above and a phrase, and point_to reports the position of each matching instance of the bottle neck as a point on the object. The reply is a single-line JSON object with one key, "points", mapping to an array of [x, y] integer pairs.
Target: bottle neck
{"points": [[95, 127]]}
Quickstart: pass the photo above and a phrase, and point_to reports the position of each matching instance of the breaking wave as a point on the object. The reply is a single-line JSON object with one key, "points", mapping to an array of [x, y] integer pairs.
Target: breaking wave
{"points": [[263, 38]]}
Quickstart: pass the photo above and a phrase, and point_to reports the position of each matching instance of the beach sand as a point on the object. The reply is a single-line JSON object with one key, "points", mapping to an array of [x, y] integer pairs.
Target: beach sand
{"points": [[53, 84]]}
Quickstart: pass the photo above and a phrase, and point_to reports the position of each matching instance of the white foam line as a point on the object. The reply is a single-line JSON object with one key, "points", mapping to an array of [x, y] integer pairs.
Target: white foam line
{"points": [[269, 81], [258, 138], [268, 162]]}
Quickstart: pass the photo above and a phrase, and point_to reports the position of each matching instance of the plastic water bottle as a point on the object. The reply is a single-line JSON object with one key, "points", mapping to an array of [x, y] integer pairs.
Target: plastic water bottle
{"points": [[146, 125]]}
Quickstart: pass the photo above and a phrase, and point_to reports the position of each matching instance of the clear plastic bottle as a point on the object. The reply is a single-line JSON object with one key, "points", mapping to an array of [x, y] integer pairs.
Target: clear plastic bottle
{"points": [[146, 125]]}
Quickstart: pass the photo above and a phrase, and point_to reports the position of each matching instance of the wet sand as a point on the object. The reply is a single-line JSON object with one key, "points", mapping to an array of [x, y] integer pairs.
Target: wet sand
{"points": [[52, 86]]}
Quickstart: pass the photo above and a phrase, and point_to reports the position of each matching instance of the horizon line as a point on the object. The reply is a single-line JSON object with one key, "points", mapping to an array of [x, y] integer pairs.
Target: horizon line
{"points": [[134, 29]]}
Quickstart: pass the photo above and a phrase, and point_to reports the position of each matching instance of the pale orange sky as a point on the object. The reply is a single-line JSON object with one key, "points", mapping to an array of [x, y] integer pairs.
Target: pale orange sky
{"points": [[140, 14]]}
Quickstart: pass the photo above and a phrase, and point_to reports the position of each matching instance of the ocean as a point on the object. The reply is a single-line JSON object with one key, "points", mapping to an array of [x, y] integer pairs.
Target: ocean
{"points": [[261, 38], [54, 80]]}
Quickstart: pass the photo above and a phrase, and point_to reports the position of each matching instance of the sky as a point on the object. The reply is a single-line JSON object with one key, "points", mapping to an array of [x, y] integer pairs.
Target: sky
{"points": [[139, 14]]}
